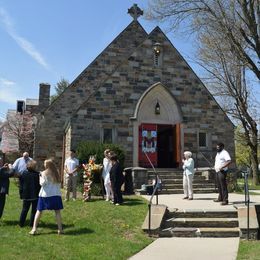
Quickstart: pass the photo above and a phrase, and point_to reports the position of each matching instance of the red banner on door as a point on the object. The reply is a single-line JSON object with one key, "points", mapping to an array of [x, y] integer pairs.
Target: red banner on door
{"points": [[148, 145]]}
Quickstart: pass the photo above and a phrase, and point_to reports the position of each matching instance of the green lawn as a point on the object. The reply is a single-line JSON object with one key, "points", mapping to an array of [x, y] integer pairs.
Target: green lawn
{"points": [[241, 181], [249, 250], [93, 230]]}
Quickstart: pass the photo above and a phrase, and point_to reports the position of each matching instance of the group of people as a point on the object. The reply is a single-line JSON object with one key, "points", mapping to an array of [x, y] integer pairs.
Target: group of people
{"points": [[222, 161], [38, 190], [42, 190], [112, 176]]}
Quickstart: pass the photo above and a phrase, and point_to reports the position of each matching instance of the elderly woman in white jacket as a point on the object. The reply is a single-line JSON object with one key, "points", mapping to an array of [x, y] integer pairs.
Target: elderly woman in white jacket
{"points": [[188, 173]]}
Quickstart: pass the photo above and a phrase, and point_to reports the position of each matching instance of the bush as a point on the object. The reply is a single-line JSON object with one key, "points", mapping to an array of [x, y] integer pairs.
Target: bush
{"points": [[232, 181], [86, 148]]}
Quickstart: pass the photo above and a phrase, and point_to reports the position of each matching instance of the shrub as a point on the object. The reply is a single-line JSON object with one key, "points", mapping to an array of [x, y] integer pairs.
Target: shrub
{"points": [[87, 148], [232, 181]]}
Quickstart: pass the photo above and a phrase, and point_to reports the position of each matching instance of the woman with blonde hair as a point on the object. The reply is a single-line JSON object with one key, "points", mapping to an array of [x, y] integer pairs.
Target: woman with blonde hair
{"points": [[188, 173], [49, 196]]}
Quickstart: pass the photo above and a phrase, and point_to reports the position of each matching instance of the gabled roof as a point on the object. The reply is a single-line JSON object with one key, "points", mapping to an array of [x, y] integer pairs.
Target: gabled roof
{"points": [[117, 51]]}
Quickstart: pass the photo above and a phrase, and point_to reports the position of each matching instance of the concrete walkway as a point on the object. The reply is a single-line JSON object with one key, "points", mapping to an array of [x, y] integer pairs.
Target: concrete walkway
{"points": [[194, 248]]}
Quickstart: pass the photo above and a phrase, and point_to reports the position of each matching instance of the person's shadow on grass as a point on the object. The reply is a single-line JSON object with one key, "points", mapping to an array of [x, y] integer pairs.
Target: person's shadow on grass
{"points": [[132, 202]]}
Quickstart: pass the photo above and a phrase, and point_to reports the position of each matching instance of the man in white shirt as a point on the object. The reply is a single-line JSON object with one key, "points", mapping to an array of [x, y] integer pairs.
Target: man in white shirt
{"points": [[71, 167], [222, 161], [19, 165]]}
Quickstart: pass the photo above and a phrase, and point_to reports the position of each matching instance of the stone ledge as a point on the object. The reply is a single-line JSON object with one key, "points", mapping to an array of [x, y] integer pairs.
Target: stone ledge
{"points": [[157, 214]]}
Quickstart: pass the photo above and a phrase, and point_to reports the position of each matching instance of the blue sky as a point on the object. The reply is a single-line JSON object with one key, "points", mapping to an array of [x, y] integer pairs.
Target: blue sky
{"points": [[46, 40]]}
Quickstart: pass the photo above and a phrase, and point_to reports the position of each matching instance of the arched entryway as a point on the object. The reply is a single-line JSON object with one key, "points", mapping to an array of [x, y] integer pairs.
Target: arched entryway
{"points": [[157, 129]]}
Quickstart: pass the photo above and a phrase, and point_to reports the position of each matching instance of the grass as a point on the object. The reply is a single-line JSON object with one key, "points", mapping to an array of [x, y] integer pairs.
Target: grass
{"points": [[248, 250], [93, 230], [240, 182], [240, 190]]}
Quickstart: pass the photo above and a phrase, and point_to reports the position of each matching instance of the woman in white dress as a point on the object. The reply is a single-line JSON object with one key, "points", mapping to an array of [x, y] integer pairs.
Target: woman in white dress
{"points": [[106, 176]]}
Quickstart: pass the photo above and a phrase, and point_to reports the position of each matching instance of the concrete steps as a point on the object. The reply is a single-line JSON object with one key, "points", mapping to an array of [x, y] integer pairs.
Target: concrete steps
{"points": [[200, 232], [195, 185], [197, 213], [180, 191], [172, 181], [199, 223]]}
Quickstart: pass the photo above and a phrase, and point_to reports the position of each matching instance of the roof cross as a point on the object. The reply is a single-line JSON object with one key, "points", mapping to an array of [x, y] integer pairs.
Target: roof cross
{"points": [[135, 12]]}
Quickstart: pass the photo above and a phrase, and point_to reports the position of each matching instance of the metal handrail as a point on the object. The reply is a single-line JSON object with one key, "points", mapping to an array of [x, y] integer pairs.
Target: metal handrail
{"points": [[247, 198], [210, 167], [155, 191], [205, 158]]}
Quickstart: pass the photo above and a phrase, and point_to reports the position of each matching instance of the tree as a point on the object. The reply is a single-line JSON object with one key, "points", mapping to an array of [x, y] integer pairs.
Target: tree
{"points": [[228, 47], [59, 88], [237, 19], [19, 129], [228, 79], [242, 150]]}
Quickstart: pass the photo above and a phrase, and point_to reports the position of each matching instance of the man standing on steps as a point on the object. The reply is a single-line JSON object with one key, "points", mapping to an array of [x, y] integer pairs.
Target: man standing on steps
{"points": [[222, 161]]}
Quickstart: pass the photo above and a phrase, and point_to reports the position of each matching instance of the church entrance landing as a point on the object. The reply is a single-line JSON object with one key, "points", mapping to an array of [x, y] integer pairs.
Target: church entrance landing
{"points": [[160, 142]]}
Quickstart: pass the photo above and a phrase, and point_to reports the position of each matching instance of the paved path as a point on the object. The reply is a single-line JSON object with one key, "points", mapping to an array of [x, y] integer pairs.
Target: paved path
{"points": [[194, 248]]}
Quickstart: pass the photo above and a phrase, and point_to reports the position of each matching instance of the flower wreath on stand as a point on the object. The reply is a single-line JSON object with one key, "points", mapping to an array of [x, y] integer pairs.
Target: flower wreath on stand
{"points": [[90, 170]]}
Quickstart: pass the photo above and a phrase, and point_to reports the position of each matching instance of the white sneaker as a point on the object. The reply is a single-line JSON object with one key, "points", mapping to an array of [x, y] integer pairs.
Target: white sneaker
{"points": [[74, 199]]}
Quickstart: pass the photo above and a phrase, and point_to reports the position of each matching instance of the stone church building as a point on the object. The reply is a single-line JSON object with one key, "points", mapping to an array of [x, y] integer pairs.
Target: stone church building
{"points": [[141, 94]]}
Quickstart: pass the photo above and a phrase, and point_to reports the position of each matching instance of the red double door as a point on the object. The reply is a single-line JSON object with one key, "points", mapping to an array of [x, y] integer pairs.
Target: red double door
{"points": [[159, 144]]}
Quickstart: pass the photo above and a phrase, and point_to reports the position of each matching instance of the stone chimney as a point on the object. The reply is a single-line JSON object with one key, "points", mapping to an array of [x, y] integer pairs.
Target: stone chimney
{"points": [[44, 96]]}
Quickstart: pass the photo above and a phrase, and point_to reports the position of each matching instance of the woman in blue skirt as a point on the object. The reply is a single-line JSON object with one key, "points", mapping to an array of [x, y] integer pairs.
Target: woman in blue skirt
{"points": [[49, 196]]}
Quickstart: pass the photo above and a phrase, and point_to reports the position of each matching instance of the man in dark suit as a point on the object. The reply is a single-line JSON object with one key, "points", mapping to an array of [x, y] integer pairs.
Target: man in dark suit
{"points": [[117, 179], [5, 173]]}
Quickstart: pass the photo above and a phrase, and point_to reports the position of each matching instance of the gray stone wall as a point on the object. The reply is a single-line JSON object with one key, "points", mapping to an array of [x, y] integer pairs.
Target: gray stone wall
{"points": [[105, 95], [50, 130], [114, 102]]}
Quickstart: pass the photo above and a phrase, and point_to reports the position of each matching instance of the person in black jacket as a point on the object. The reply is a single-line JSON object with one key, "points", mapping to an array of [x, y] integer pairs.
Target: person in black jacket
{"points": [[117, 179], [29, 191], [5, 174]]}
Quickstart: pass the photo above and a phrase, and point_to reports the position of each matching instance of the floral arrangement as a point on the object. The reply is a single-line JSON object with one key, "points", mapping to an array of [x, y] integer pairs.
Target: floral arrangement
{"points": [[90, 169]]}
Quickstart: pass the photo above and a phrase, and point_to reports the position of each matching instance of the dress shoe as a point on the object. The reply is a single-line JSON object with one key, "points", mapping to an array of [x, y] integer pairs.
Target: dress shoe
{"points": [[190, 198], [217, 200], [223, 203], [185, 198]]}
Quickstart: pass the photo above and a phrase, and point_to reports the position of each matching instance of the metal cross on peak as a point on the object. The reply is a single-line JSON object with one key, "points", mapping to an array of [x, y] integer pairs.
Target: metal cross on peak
{"points": [[135, 12]]}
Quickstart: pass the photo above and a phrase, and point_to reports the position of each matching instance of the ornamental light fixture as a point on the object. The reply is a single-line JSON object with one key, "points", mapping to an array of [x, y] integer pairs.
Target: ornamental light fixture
{"points": [[157, 48], [157, 108]]}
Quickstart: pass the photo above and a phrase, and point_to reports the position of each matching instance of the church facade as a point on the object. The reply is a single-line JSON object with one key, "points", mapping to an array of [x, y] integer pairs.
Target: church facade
{"points": [[141, 94]]}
